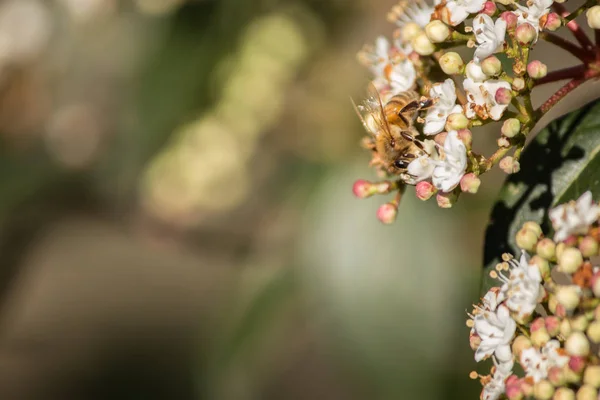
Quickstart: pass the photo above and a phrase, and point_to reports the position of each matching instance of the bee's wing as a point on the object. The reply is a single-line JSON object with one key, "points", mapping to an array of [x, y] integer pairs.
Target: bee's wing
{"points": [[374, 106]]}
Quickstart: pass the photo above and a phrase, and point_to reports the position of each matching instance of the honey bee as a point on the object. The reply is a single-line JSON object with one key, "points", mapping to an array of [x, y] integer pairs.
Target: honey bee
{"points": [[392, 128]]}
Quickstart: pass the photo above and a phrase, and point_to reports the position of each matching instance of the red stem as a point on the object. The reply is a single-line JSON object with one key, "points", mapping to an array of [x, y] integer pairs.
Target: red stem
{"points": [[574, 27], [572, 48], [558, 96], [576, 72]]}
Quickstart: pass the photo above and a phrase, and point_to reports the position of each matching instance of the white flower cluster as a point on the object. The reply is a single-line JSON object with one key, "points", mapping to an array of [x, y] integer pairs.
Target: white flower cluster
{"points": [[545, 314]]}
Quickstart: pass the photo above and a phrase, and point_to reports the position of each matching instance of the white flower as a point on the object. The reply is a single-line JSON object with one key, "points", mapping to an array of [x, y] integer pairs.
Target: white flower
{"points": [[532, 14], [460, 9], [482, 99], [495, 387], [445, 95], [377, 57], [522, 287], [422, 168], [574, 218], [475, 73], [492, 299], [489, 35], [496, 331], [537, 363], [449, 171], [407, 11], [402, 76]]}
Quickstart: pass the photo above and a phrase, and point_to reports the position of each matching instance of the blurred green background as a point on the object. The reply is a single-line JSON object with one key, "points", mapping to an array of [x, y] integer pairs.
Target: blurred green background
{"points": [[176, 215]]}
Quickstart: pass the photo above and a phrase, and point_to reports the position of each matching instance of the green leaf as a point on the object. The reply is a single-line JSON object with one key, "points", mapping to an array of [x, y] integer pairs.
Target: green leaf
{"points": [[561, 163]]}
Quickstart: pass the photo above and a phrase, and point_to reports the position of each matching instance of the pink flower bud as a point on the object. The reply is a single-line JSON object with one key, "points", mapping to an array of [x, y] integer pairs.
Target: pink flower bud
{"points": [[536, 69], [593, 17], [503, 96], [577, 364], [387, 213], [466, 137], [489, 8], [440, 138], [540, 337], [513, 388], [553, 22], [363, 189], [569, 297], [519, 344], [470, 183], [425, 190], [446, 200], [556, 376], [526, 33], [510, 18], [518, 84], [509, 165], [588, 247], [538, 324], [552, 325]]}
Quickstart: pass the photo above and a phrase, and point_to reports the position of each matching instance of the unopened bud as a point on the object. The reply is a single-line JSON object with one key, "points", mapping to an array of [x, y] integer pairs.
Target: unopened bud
{"points": [[591, 376], [553, 22], [536, 69], [363, 189], [491, 66], [543, 390], [457, 121], [565, 327], [410, 31], [466, 137], [588, 247], [470, 183], [422, 45], [542, 265], [560, 247], [556, 376], [564, 393], [503, 96], [587, 392], [425, 190], [568, 296], [451, 62], [503, 142], [511, 19], [446, 200], [534, 227], [593, 17], [576, 364], [519, 344], [511, 127], [474, 341], [577, 344], [437, 31], [540, 337], [596, 285], [593, 331], [526, 239], [518, 84], [570, 260], [546, 248], [387, 213], [509, 165], [526, 33], [513, 388], [552, 325], [489, 8], [579, 323]]}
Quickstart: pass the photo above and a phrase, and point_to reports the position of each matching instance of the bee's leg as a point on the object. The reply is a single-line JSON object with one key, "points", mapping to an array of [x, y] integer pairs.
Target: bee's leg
{"points": [[410, 107], [425, 102]]}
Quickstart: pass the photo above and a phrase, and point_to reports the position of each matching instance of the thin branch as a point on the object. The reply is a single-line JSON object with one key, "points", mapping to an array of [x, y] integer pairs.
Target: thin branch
{"points": [[572, 48], [573, 26], [576, 72], [558, 96]]}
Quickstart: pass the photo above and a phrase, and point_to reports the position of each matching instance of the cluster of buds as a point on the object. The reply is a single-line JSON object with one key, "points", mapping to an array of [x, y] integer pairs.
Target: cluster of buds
{"points": [[545, 313], [428, 143]]}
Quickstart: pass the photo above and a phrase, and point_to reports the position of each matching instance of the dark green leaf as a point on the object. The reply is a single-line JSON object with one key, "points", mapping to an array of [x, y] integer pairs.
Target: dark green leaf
{"points": [[560, 164]]}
